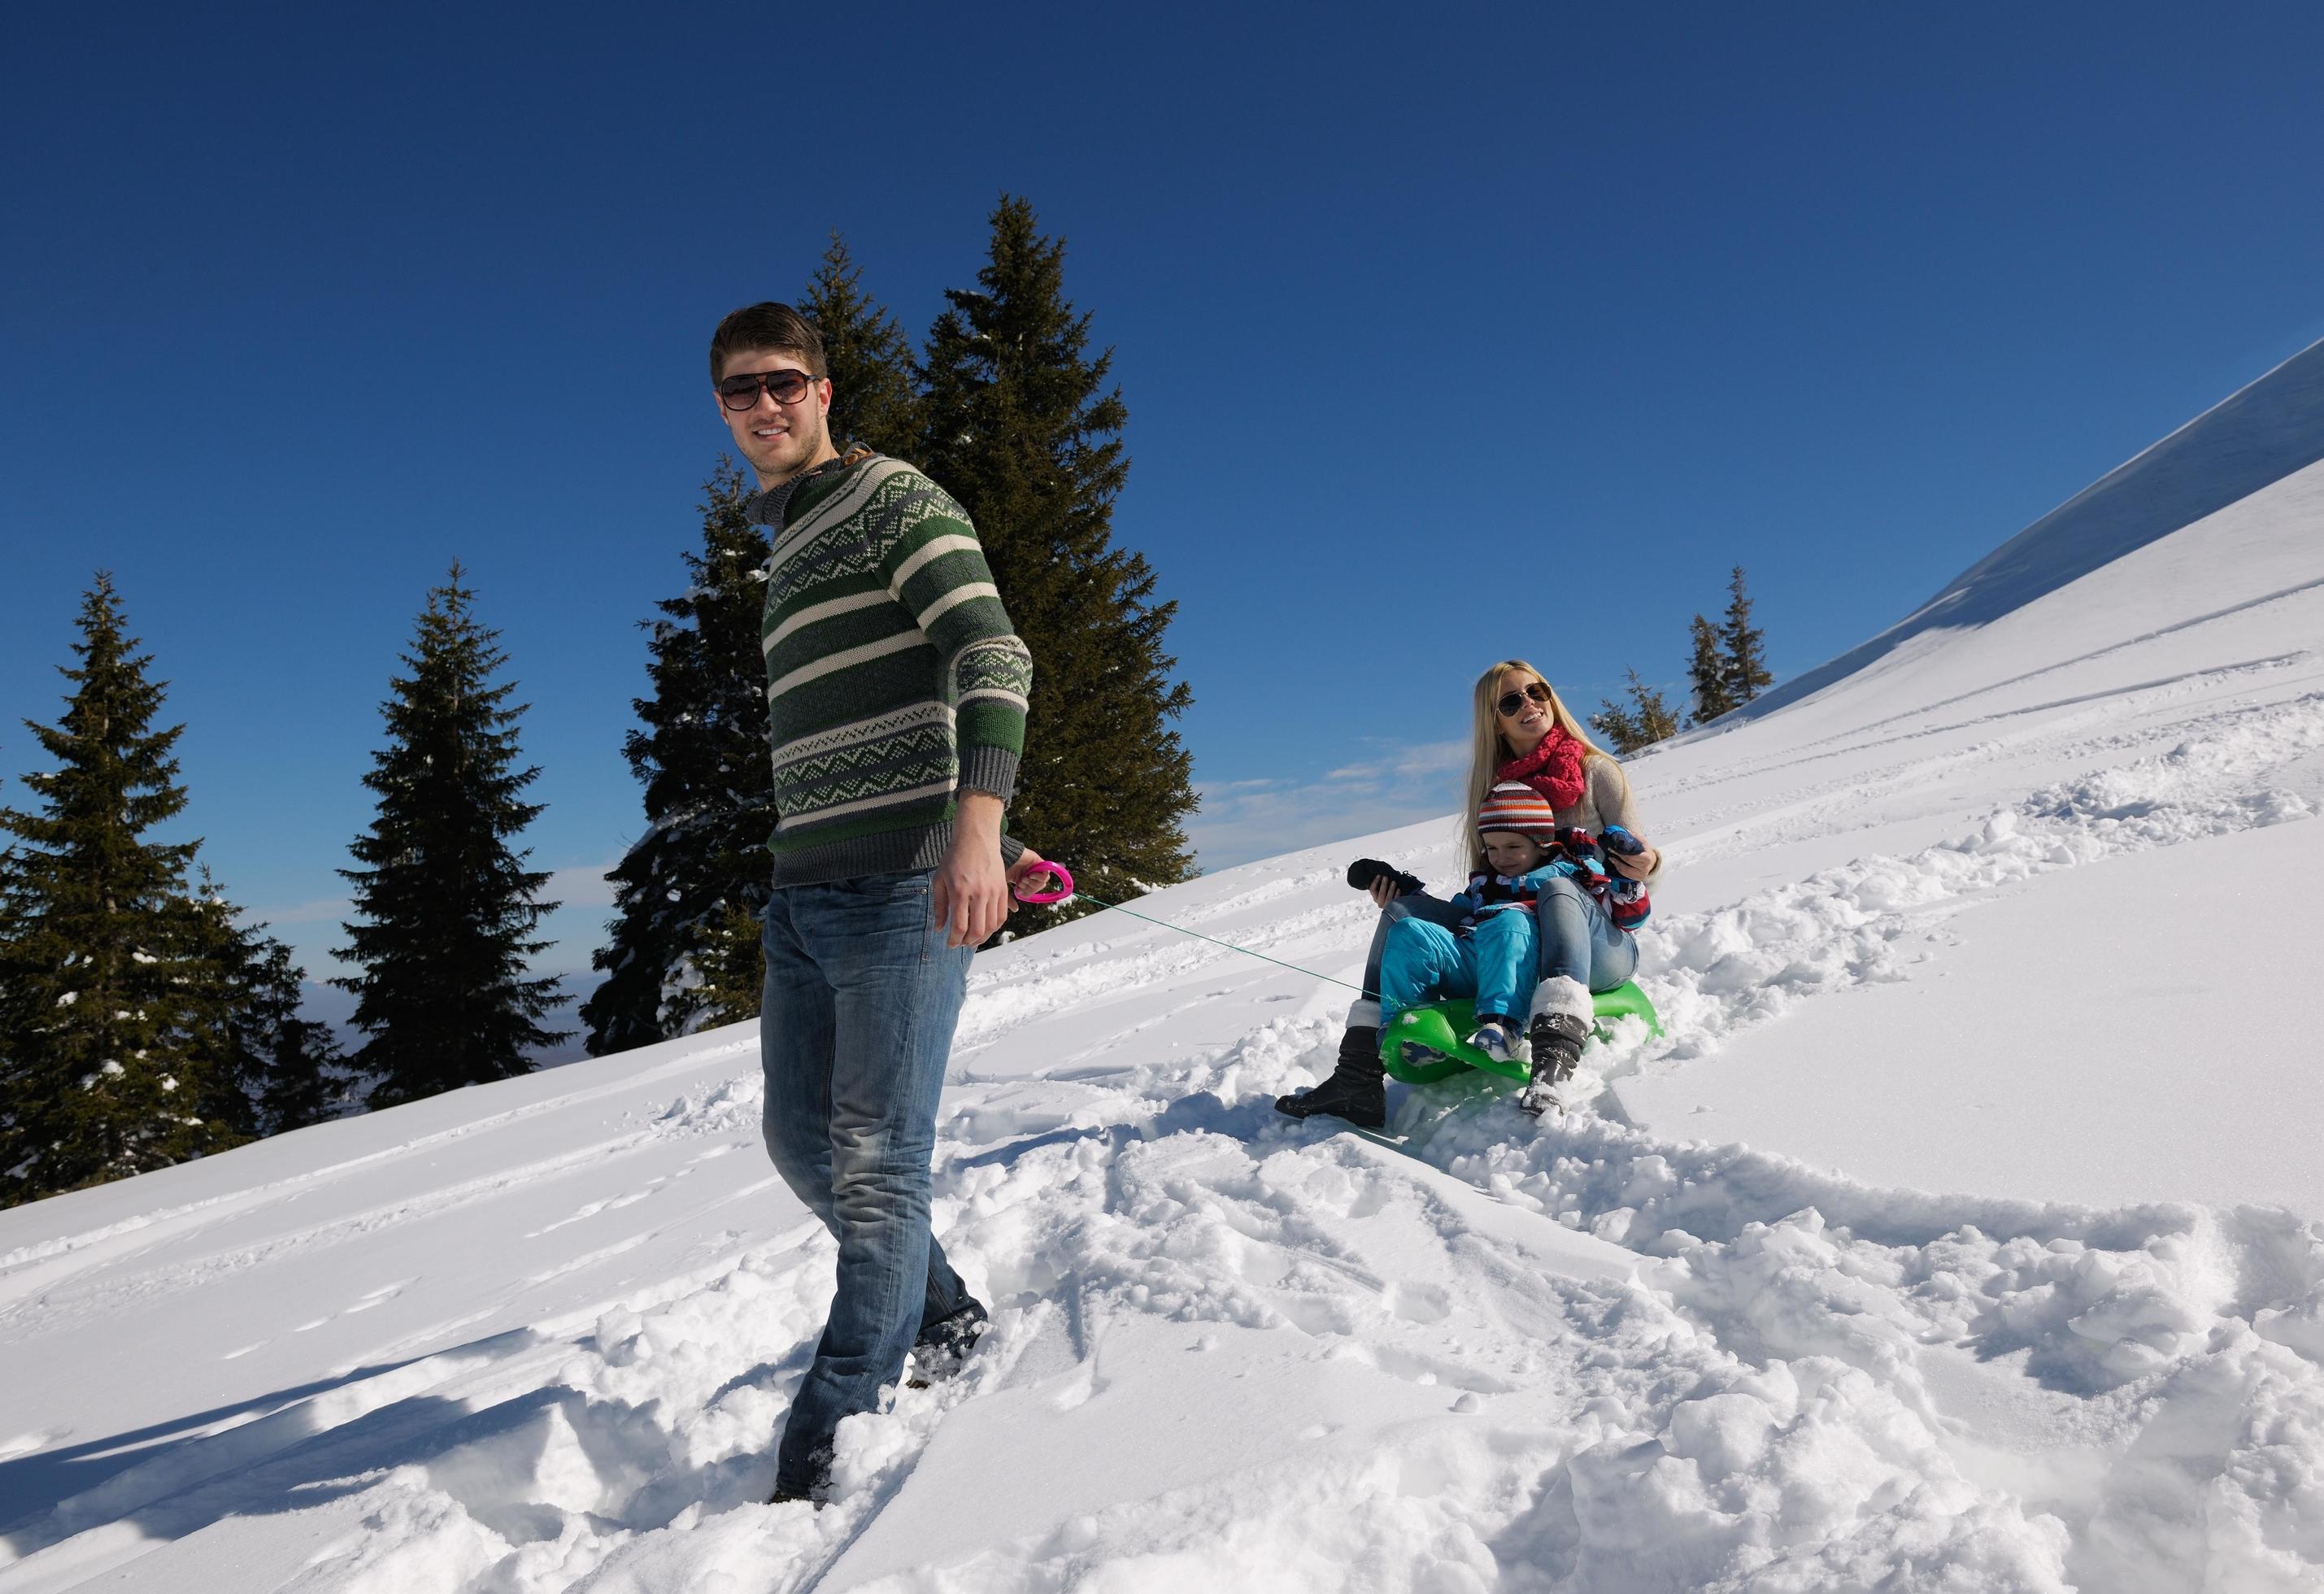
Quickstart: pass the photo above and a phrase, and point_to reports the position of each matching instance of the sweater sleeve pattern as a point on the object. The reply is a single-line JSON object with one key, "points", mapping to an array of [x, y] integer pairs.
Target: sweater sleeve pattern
{"points": [[936, 567]]}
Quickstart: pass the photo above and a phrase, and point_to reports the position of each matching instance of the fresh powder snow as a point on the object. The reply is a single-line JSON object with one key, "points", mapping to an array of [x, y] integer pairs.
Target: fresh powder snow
{"points": [[1960, 1233]]}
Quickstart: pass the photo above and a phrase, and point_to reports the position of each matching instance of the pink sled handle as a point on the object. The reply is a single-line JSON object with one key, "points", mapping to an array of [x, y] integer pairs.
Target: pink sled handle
{"points": [[1038, 898]]}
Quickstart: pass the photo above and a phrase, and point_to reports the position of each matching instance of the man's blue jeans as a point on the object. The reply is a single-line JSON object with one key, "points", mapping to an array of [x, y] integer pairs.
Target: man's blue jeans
{"points": [[861, 999]]}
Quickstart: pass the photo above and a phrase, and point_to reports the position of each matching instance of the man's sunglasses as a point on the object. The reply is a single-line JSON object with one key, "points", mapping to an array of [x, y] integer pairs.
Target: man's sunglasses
{"points": [[786, 387], [1513, 701]]}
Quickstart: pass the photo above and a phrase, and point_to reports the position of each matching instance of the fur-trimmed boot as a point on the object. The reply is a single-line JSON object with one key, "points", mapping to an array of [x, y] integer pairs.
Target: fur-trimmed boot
{"points": [[1357, 1087], [1559, 1026]]}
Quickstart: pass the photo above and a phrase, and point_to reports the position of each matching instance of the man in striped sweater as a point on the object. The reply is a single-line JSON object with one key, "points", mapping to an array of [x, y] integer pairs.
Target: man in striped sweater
{"points": [[895, 693]]}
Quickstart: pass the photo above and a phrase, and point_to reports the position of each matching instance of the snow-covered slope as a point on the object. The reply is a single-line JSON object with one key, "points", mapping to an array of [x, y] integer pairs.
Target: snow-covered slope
{"points": [[2253, 440], [1960, 1234]]}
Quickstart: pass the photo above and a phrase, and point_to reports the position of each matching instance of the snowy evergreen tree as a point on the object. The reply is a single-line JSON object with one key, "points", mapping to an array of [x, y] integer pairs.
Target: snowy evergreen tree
{"points": [[275, 1069], [302, 1076], [869, 358], [701, 754], [1730, 664], [1617, 726], [1648, 718], [1021, 427], [447, 906], [111, 1004], [1706, 672], [202, 926], [17, 1065], [731, 963], [1743, 646]]}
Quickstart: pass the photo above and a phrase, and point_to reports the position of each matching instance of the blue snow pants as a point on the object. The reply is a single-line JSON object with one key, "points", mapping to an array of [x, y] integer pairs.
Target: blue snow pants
{"points": [[1494, 962]]}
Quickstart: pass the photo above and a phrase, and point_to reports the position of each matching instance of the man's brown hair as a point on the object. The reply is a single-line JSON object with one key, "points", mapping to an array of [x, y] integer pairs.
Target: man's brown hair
{"points": [[767, 326]]}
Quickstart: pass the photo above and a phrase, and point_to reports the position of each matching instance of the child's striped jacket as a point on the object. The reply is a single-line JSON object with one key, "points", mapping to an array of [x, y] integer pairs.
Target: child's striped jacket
{"points": [[1575, 853]]}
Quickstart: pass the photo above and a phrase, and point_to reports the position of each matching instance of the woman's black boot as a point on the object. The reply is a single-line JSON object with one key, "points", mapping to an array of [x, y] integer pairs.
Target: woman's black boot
{"points": [[1357, 1090]]}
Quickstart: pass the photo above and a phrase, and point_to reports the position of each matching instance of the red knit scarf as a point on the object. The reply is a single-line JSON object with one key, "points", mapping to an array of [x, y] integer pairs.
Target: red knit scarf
{"points": [[1554, 768]]}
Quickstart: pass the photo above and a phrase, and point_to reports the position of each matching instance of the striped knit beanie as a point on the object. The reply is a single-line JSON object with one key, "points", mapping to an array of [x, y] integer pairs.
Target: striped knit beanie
{"points": [[1515, 805]]}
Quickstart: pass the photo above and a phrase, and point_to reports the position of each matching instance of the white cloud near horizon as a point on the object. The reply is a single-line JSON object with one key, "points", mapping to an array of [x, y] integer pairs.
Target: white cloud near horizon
{"points": [[315, 911], [1403, 784], [581, 885], [1416, 762]]}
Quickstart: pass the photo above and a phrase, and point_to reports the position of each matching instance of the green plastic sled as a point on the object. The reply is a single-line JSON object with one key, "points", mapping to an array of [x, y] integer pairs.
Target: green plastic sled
{"points": [[1441, 1028]]}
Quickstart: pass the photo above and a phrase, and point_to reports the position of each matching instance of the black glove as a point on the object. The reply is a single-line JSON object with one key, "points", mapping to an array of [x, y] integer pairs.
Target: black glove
{"points": [[1618, 840], [1363, 871]]}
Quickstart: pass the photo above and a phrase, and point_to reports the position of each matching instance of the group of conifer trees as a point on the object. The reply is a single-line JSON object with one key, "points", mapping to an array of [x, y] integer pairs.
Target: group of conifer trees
{"points": [[141, 1022], [1728, 667], [1007, 409]]}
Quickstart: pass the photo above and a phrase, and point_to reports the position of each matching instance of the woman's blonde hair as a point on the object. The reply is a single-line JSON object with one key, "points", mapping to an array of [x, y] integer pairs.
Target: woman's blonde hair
{"points": [[1488, 752]]}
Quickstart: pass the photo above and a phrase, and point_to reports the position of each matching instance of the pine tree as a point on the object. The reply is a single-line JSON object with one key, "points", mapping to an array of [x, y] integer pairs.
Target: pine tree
{"points": [[1706, 673], [1649, 718], [869, 360], [18, 918], [201, 927], [1021, 427], [702, 757], [447, 907], [1617, 725], [730, 961], [300, 1075], [109, 1003], [273, 1070], [1744, 648]]}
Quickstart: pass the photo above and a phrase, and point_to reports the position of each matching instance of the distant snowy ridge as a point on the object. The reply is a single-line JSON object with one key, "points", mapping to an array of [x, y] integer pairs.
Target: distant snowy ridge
{"points": [[2256, 436]]}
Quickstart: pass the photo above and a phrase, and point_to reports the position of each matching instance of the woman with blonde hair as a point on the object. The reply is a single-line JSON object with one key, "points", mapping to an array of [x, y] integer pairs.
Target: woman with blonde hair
{"points": [[1524, 733]]}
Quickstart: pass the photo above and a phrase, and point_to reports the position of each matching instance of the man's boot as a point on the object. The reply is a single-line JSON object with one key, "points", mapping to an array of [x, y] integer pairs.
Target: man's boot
{"points": [[943, 1347], [1357, 1090], [813, 1485]]}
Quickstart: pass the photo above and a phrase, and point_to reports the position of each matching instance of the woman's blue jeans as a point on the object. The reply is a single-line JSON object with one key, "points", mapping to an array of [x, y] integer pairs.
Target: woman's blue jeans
{"points": [[862, 996], [1578, 940]]}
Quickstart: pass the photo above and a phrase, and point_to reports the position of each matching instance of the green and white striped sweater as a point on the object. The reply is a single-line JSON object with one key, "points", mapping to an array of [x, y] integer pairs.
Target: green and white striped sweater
{"points": [[893, 676]]}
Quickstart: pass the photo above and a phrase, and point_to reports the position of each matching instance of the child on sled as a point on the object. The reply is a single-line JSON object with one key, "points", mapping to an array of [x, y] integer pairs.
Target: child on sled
{"points": [[1524, 732], [1494, 951]]}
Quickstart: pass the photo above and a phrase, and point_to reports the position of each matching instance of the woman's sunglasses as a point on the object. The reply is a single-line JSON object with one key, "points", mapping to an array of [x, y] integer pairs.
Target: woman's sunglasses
{"points": [[742, 392], [1513, 701]]}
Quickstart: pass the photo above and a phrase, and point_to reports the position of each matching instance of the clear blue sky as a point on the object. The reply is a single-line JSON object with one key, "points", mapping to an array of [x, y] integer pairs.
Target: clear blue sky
{"points": [[1445, 332]]}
